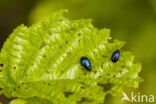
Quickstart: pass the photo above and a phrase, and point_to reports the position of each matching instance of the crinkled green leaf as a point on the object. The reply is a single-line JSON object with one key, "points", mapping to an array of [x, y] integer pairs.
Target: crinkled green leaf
{"points": [[42, 63]]}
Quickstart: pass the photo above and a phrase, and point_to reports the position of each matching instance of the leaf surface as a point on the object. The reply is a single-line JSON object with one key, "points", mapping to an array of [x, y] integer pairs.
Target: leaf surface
{"points": [[42, 63]]}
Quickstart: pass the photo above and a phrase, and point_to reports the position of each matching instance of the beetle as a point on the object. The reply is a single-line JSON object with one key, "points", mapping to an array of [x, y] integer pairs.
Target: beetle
{"points": [[115, 56], [86, 63]]}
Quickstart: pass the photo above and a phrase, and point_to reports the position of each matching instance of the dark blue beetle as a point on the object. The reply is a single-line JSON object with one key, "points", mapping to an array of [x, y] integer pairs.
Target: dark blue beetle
{"points": [[86, 63], [115, 56]]}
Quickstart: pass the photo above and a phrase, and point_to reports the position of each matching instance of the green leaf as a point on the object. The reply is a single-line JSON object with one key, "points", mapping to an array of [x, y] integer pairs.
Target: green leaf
{"points": [[18, 101], [42, 63]]}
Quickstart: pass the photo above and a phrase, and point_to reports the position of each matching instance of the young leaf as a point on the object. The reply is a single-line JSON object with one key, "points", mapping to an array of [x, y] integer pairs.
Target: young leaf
{"points": [[42, 63]]}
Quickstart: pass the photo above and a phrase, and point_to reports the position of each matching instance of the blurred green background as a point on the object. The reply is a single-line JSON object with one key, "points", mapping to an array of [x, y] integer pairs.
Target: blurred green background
{"points": [[133, 21]]}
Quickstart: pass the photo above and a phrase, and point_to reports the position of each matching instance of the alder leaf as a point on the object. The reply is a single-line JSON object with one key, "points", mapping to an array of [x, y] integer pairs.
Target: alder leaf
{"points": [[41, 63]]}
